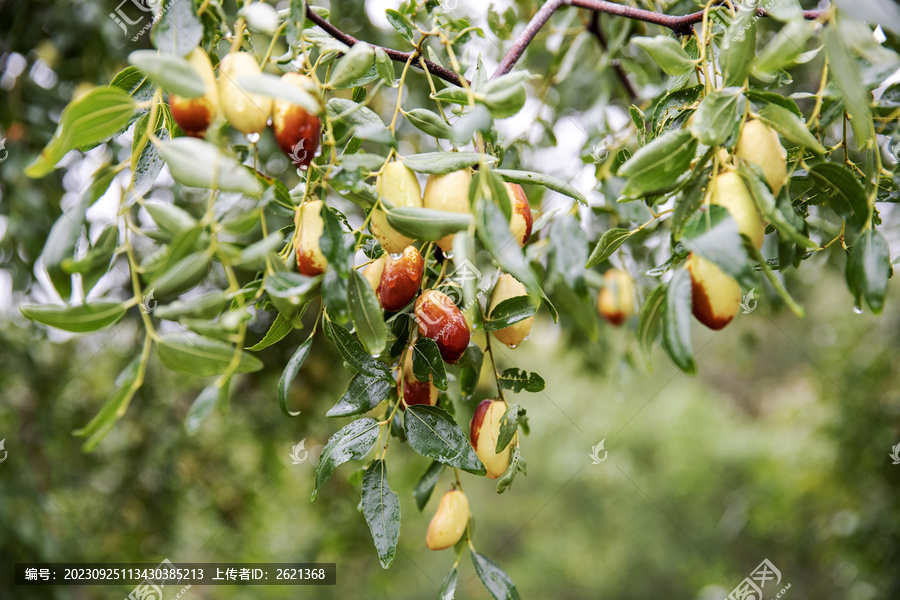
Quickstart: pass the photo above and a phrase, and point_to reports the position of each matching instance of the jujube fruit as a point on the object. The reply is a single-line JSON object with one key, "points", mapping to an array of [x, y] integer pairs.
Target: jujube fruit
{"points": [[441, 320], [521, 222], [194, 115], [415, 391], [310, 225], [759, 144], [449, 521], [509, 287], [296, 131], [728, 190], [400, 279], [449, 192], [484, 430], [247, 112], [398, 185], [616, 299], [715, 296]]}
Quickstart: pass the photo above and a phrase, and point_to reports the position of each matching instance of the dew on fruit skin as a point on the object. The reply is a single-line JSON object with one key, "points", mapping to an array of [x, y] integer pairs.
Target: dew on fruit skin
{"points": [[857, 310], [396, 255], [252, 137], [513, 346], [448, 254]]}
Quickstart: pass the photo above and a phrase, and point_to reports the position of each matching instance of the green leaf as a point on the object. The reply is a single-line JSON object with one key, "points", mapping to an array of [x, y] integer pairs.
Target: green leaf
{"points": [[429, 122], [516, 464], [868, 270], [273, 86], [202, 407], [448, 586], [114, 408], [178, 30], [288, 375], [672, 106], [847, 75], [677, 322], [427, 223], [713, 234], [352, 442], [60, 247], [648, 321], [402, 24], [470, 365], [552, 183], [433, 433], [790, 126], [133, 82], [691, 195], [717, 117], [182, 276], [495, 581], [770, 210], [667, 53], [738, 47], [656, 167], [91, 316], [353, 352], [363, 394], [518, 380], [425, 486], [509, 424], [427, 363], [609, 243], [381, 508], [94, 117], [201, 357], [204, 307], [170, 72], [505, 95], [510, 311], [763, 98], [352, 65], [169, 218], [197, 163], [277, 331], [845, 194], [493, 230], [384, 66], [292, 287], [787, 45], [440, 163], [96, 262], [145, 160], [359, 121], [254, 256], [365, 311]]}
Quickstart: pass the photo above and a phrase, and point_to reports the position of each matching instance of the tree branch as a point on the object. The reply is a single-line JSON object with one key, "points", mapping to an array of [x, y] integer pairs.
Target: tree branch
{"points": [[403, 57], [682, 25], [594, 28]]}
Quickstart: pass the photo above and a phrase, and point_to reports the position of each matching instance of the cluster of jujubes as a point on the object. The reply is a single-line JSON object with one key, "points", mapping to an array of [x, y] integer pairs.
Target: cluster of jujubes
{"points": [[296, 130], [717, 296]]}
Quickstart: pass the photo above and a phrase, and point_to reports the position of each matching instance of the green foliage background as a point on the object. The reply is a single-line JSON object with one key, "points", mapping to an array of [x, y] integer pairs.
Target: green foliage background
{"points": [[778, 449]]}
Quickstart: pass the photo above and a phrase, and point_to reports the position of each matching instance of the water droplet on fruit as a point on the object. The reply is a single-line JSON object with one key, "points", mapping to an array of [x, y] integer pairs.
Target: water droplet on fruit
{"points": [[396, 255], [252, 137], [858, 310], [513, 346], [448, 254]]}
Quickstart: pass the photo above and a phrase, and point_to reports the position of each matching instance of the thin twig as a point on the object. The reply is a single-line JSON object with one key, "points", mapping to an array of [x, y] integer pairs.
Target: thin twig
{"points": [[594, 28], [436, 69], [682, 25]]}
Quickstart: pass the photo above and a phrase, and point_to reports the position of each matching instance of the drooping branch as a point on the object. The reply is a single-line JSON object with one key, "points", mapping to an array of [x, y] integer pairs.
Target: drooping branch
{"points": [[594, 28], [403, 57], [681, 25]]}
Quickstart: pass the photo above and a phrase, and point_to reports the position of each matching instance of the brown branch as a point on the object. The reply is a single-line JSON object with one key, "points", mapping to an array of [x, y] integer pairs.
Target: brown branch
{"points": [[594, 28], [403, 57], [682, 25]]}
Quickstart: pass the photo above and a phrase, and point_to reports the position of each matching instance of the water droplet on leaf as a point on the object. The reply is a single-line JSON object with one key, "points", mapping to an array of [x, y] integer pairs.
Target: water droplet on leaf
{"points": [[857, 310], [252, 137]]}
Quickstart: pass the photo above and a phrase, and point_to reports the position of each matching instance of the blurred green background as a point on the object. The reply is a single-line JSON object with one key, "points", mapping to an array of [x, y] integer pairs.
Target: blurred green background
{"points": [[778, 449]]}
